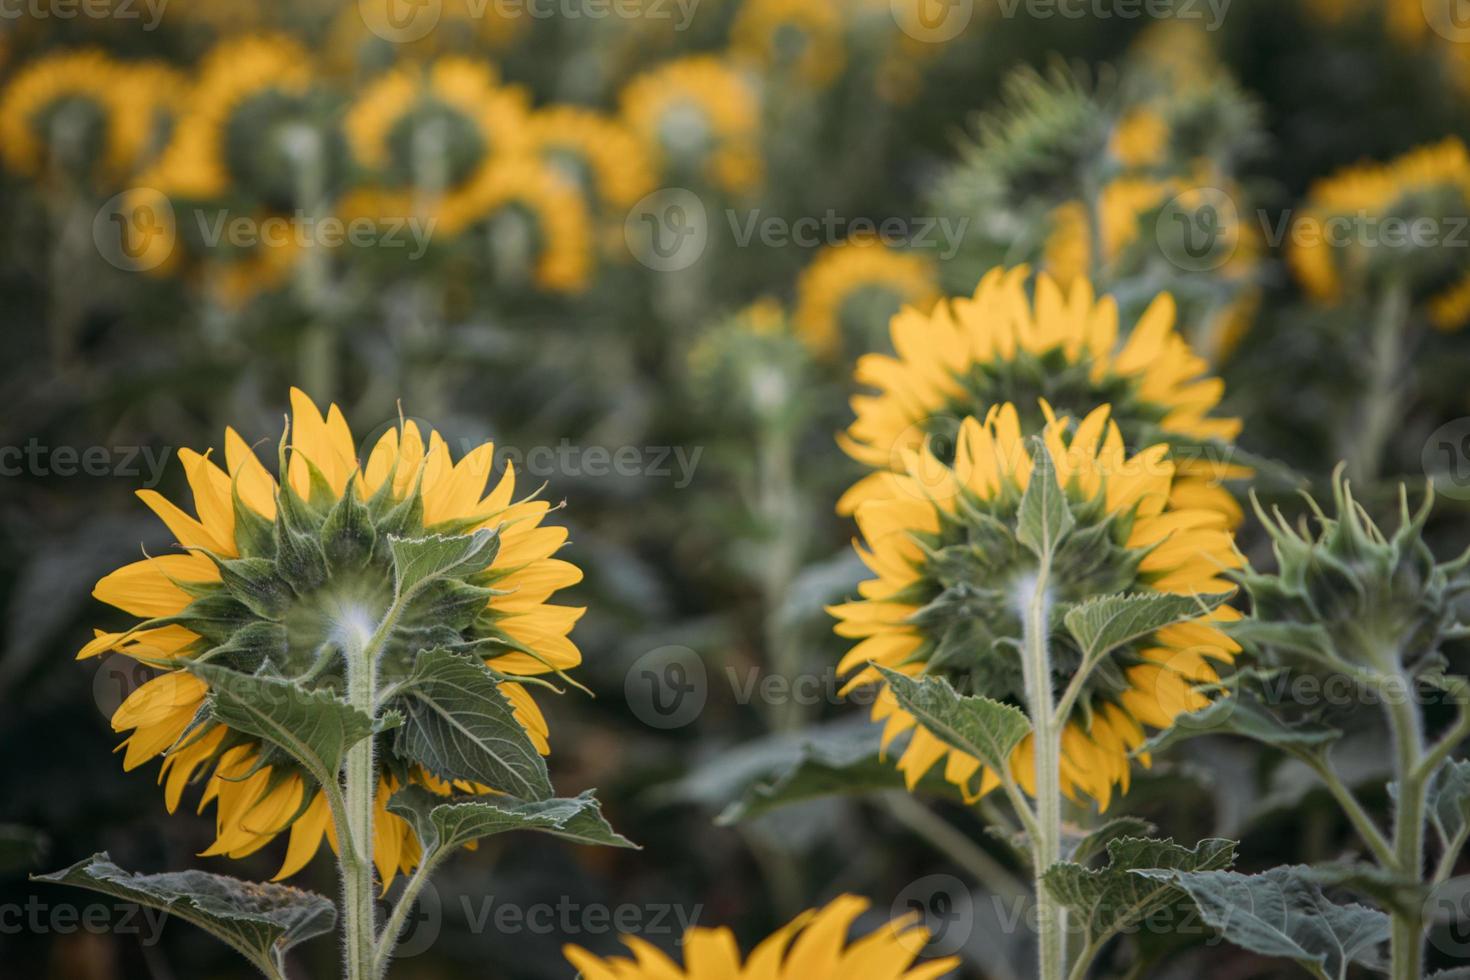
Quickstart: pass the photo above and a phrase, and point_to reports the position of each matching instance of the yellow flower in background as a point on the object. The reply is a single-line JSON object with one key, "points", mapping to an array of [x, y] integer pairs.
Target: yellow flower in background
{"points": [[598, 153], [68, 110], [237, 74], [151, 95], [366, 36], [189, 612], [813, 946], [1066, 348], [530, 214], [948, 570], [1405, 20], [234, 278], [698, 115], [1141, 138], [452, 115], [803, 37], [860, 283], [1358, 227], [1121, 208]]}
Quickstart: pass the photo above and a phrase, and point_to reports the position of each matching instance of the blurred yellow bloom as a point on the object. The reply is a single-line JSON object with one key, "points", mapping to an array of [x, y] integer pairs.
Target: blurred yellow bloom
{"points": [[73, 109], [863, 272], [701, 115], [813, 946], [800, 37]]}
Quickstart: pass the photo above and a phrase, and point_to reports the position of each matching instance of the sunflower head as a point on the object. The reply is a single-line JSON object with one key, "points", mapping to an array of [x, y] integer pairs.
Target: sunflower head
{"points": [[791, 38], [1063, 348], [601, 155], [437, 125], [698, 117], [846, 297], [1347, 591], [952, 571], [1379, 223], [813, 946], [533, 221], [255, 126], [750, 368], [65, 114], [282, 580]]}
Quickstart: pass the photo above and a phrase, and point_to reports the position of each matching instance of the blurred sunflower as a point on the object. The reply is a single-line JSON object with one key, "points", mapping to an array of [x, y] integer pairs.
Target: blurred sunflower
{"points": [[68, 113], [368, 36], [234, 277], [250, 126], [813, 946], [533, 219], [698, 115], [849, 292], [801, 38], [1218, 297], [1140, 139], [1064, 347], [1374, 224], [948, 566], [1406, 22], [295, 617], [598, 153], [452, 116]]}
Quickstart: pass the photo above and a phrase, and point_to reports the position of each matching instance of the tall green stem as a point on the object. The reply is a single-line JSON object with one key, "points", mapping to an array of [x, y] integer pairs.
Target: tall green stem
{"points": [[1407, 938], [1051, 920], [358, 909], [1382, 409], [779, 506]]}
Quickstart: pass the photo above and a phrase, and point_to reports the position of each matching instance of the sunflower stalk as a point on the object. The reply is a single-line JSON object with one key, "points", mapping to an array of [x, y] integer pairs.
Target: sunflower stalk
{"points": [[360, 769], [1406, 944], [1046, 840]]}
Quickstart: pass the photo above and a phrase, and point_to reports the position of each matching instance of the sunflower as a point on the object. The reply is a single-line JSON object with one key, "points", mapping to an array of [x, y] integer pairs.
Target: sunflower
{"points": [[1342, 239], [251, 93], [409, 489], [598, 153], [948, 566], [971, 354], [67, 111], [849, 290], [813, 946], [533, 217], [453, 114], [1140, 139], [1219, 301], [698, 114], [803, 37]]}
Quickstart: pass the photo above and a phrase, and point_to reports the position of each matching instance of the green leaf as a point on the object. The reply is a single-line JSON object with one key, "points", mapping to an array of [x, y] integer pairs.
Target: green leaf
{"points": [[459, 726], [443, 826], [1242, 715], [1282, 912], [419, 561], [315, 727], [348, 536], [986, 729], [1044, 517], [1388, 889], [1079, 849], [1109, 900], [831, 768], [260, 921], [1449, 799], [1102, 625]]}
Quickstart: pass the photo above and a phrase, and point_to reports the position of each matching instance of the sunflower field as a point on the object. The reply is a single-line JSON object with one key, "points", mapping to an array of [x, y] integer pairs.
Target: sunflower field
{"points": [[735, 489]]}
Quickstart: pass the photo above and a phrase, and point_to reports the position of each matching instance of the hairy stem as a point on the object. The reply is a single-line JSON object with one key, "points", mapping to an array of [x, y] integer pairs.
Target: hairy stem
{"points": [[1407, 937], [388, 938], [1047, 836], [358, 908], [1361, 821]]}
